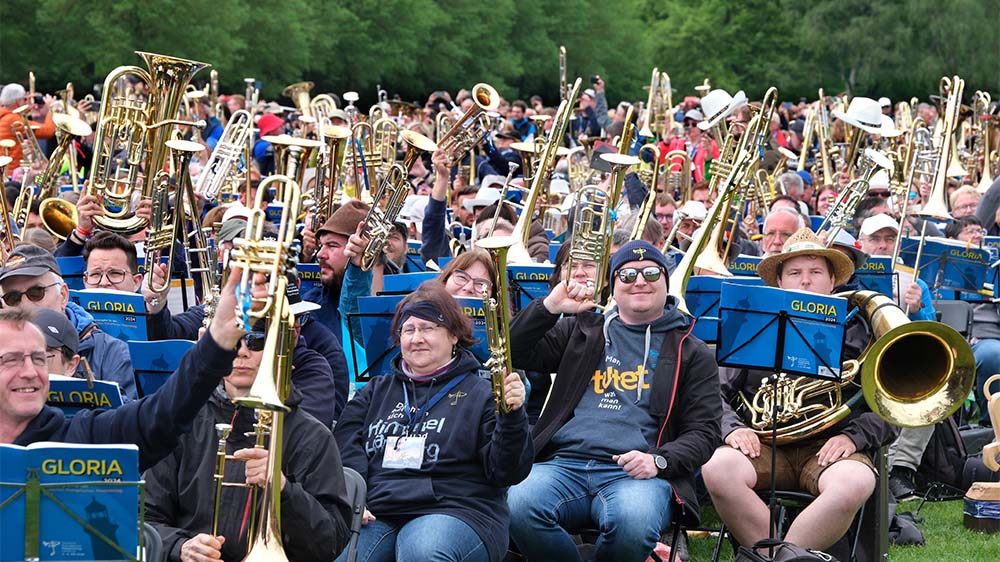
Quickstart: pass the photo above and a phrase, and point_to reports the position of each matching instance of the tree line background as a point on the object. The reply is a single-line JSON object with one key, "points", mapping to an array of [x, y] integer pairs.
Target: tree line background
{"points": [[896, 48]]}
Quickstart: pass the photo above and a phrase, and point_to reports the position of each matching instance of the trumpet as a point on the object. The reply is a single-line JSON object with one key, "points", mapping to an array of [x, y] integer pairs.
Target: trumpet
{"points": [[140, 129], [392, 194]]}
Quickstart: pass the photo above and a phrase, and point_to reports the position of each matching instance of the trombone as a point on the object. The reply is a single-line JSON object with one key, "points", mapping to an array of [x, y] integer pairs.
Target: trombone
{"points": [[166, 226]]}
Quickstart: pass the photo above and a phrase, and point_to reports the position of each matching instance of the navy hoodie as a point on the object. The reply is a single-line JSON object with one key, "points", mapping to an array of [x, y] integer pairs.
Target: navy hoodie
{"points": [[471, 455]]}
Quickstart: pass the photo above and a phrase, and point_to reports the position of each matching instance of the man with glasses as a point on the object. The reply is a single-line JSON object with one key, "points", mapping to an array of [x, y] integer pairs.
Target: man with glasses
{"points": [[31, 279], [180, 490], [634, 413]]}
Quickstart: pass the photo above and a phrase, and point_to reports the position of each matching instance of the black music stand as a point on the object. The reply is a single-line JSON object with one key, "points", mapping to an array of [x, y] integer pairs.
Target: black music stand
{"points": [[753, 321]]}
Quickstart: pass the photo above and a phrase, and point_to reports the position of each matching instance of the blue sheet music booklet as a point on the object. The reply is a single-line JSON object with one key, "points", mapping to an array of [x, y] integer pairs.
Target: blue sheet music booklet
{"points": [[72, 269], [793, 332], [527, 282], [71, 394], [119, 313], [702, 299], [948, 264], [745, 265], [154, 362], [67, 501], [876, 275]]}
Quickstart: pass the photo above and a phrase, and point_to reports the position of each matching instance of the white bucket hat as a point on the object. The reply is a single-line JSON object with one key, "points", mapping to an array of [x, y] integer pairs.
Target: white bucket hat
{"points": [[718, 105], [694, 210], [866, 114], [485, 197]]}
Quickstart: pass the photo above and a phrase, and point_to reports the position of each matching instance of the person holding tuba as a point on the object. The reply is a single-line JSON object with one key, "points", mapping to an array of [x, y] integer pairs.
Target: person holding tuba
{"points": [[181, 489], [634, 413], [428, 438], [834, 465]]}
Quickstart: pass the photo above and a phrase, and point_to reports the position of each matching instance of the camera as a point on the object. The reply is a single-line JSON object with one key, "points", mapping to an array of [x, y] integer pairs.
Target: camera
{"points": [[38, 99], [595, 78]]}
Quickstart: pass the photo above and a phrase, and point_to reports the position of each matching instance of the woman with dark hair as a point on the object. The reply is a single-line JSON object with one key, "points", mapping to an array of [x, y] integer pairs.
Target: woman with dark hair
{"points": [[967, 229], [468, 274], [427, 437]]}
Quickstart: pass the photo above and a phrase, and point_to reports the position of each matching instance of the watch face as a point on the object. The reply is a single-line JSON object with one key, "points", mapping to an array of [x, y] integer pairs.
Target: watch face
{"points": [[661, 463]]}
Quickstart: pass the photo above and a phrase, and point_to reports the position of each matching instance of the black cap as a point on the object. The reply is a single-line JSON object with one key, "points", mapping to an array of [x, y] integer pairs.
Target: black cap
{"points": [[57, 329], [28, 260]]}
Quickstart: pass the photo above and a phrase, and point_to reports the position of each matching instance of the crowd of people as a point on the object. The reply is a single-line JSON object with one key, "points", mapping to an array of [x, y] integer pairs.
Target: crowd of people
{"points": [[616, 420]]}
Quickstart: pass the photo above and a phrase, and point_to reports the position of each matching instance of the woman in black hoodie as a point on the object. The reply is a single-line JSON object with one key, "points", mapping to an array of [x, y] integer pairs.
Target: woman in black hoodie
{"points": [[436, 455]]}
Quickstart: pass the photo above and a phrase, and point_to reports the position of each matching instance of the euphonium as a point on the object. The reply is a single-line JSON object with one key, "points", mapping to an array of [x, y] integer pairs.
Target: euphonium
{"points": [[226, 157], [498, 319], [141, 129], [299, 94], [470, 129], [913, 374], [392, 193], [58, 215]]}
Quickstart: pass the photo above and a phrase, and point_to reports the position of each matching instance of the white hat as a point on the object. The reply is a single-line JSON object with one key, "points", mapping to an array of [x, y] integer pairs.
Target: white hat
{"points": [[846, 241], [875, 223], [485, 197], [493, 180], [880, 180], [11, 94], [559, 186], [694, 210], [236, 211], [884, 102], [718, 105], [866, 114], [590, 92], [694, 114], [413, 210]]}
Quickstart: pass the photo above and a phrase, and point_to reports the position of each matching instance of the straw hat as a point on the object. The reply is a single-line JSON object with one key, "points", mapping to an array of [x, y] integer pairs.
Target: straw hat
{"points": [[805, 243]]}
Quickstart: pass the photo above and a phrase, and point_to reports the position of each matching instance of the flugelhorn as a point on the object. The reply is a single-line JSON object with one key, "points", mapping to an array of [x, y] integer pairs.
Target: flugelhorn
{"points": [[140, 128], [392, 193]]}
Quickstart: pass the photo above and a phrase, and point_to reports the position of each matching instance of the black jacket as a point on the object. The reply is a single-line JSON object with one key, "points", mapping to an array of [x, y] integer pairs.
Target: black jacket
{"points": [[471, 454], [180, 489], [866, 429], [684, 397], [154, 423], [311, 375]]}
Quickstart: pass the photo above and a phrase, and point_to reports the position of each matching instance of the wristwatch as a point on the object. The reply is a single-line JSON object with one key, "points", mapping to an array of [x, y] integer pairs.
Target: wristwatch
{"points": [[660, 462]]}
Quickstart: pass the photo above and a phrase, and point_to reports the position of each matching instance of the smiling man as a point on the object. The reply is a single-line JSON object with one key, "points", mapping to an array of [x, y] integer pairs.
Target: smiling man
{"points": [[634, 412]]}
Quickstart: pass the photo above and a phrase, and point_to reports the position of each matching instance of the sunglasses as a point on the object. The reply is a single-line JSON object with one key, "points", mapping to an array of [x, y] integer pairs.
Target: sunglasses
{"points": [[34, 294], [255, 341], [882, 194], [628, 275]]}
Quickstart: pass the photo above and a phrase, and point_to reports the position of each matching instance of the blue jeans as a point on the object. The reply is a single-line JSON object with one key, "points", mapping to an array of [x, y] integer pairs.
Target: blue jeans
{"points": [[987, 354], [568, 495], [430, 538]]}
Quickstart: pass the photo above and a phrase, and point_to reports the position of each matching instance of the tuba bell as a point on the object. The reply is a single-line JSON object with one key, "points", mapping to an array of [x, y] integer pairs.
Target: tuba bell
{"points": [[299, 94], [140, 128]]}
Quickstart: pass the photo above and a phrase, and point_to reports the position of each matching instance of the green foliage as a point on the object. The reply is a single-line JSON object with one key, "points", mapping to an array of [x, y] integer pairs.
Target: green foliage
{"points": [[897, 48]]}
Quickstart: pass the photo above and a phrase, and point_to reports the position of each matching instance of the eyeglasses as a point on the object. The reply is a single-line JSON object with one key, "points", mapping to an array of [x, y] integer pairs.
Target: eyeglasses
{"points": [[411, 331], [888, 239], [882, 194], [973, 230], [462, 279], [664, 216], [34, 294], [15, 359], [628, 275], [114, 276], [255, 341], [966, 207]]}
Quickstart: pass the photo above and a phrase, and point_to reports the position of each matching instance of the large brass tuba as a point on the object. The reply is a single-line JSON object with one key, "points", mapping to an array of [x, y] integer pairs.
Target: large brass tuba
{"points": [[299, 93], [913, 374], [58, 215], [140, 128]]}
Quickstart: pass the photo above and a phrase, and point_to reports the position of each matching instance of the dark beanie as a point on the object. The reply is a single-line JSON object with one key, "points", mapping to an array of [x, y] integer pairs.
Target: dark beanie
{"points": [[636, 250]]}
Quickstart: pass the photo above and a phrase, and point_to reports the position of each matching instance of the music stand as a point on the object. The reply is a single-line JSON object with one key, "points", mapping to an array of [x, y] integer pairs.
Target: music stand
{"points": [[784, 331]]}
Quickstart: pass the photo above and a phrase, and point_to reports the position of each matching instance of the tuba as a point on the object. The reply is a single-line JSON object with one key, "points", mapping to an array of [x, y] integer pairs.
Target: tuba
{"points": [[58, 215], [299, 94], [226, 158], [392, 193], [140, 128], [914, 374], [470, 129]]}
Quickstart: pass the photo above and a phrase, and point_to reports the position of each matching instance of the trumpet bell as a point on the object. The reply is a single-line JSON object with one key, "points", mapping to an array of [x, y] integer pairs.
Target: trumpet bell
{"points": [[58, 216], [918, 374]]}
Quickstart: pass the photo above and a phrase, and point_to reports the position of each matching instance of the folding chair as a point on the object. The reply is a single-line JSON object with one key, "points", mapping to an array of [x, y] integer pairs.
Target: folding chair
{"points": [[957, 314], [357, 495]]}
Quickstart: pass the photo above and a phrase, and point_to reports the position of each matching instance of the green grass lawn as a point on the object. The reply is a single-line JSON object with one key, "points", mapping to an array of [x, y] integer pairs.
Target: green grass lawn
{"points": [[947, 539]]}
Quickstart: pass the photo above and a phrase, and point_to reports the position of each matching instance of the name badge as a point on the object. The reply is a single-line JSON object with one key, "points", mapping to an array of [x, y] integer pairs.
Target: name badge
{"points": [[403, 452]]}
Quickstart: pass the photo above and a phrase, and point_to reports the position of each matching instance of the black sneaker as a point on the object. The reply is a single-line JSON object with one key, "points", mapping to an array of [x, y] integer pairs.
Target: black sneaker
{"points": [[901, 483]]}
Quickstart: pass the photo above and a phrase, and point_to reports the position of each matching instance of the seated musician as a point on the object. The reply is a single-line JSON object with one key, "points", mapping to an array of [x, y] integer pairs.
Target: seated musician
{"points": [[31, 279], [154, 423], [633, 413], [435, 454], [181, 492], [61, 341], [318, 357], [834, 465]]}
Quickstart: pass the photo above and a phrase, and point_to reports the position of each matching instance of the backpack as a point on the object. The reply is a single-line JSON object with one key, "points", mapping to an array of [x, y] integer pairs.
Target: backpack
{"points": [[783, 552], [944, 458]]}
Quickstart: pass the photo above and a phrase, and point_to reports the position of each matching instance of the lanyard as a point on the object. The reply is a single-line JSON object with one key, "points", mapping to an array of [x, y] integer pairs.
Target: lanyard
{"points": [[412, 420]]}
